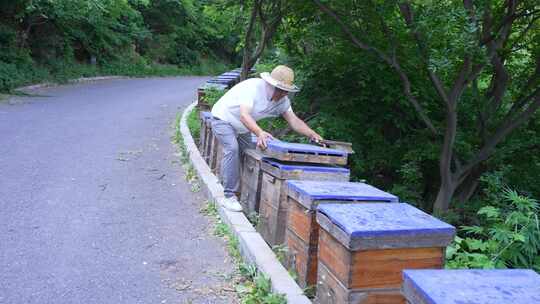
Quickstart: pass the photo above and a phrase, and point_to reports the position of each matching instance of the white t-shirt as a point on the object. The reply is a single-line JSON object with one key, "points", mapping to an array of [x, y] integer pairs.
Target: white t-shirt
{"points": [[255, 93]]}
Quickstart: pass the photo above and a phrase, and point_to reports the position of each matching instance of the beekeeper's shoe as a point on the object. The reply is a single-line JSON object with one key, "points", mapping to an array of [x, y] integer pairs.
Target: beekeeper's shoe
{"points": [[231, 204]]}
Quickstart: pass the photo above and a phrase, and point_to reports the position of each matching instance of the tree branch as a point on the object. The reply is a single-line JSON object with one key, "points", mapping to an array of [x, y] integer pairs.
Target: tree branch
{"points": [[407, 14], [391, 61], [500, 134]]}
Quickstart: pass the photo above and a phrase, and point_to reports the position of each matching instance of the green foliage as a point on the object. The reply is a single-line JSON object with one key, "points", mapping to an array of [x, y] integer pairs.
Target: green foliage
{"points": [[194, 124], [281, 252], [258, 290], [54, 41], [355, 96], [507, 234], [212, 95], [210, 209]]}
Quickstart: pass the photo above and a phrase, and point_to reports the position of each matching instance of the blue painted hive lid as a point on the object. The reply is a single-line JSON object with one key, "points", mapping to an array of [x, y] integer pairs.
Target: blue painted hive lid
{"points": [[396, 221], [227, 76], [339, 191], [218, 80], [498, 286], [287, 147], [305, 167], [233, 73]]}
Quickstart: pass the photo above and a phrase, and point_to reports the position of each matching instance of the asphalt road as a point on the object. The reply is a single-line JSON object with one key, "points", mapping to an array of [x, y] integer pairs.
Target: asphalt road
{"points": [[94, 207]]}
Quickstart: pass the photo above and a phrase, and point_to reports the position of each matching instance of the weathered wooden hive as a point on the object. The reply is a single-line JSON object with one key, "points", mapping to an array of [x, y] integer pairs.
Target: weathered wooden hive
{"points": [[250, 181], [205, 133], [201, 104], [226, 82], [363, 249], [302, 234], [273, 203], [500, 286], [215, 156], [233, 73], [304, 153]]}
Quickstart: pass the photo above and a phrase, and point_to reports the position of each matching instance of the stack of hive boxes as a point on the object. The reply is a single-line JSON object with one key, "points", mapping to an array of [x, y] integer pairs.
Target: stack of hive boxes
{"points": [[363, 249], [221, 82], [284, 161], [304, 194], [353, 242], [302, 237]]}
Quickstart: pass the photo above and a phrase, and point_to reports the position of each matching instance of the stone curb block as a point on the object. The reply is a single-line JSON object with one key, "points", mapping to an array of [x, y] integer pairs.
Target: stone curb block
{"points": [[252, 246]]}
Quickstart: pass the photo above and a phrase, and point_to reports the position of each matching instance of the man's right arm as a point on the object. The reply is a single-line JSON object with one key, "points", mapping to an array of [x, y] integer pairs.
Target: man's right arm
{"points": [[251, 124]]}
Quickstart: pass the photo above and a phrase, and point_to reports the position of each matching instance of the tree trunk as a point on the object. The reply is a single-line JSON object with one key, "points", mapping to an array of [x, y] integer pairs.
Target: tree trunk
{"points": [[444, 197], [448, 183], [466, 189], [247, 43]]}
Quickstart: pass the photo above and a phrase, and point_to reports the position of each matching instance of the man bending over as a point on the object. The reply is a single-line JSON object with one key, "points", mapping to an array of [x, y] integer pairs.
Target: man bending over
{"points": [[236, 114]]}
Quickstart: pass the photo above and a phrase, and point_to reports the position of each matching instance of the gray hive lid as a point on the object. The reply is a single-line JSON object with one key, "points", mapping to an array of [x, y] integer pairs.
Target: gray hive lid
{"points": [[288, 166], [206, 115], [383, 226], [287, 147], [217, 86], [309, 191], [500, 286]]}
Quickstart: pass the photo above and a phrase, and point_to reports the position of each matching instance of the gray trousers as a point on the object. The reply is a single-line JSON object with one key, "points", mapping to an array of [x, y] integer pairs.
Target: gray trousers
{"points": [[233, 145]]}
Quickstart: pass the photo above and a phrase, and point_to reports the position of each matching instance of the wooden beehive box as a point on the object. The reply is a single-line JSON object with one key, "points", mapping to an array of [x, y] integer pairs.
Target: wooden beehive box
{"points": [[304, 153], [250, 181], [232, 78], [215, 155], [364, 247], [201, 104], [208, 142], [500, 286], [302, 234], [273, 203], [233, 73], [225, 82], [204, 132], [338, 145]]}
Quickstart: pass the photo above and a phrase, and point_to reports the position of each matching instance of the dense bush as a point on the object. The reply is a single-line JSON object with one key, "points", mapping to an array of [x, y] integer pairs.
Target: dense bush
{"points": [[506, 234], [350, 92], [43, 40]]}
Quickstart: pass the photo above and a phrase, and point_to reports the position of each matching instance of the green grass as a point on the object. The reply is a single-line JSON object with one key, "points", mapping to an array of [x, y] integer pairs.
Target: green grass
{"points": [[194, 124], [190, 173], [253, 287]]}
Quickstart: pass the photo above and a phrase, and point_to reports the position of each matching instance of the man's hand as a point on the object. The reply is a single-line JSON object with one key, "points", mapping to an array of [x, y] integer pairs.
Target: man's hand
{"points": [[315, 137], [262, 138]]}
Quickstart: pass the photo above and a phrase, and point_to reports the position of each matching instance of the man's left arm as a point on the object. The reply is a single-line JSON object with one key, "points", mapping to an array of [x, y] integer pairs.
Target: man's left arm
{"points": [[299, 126]]}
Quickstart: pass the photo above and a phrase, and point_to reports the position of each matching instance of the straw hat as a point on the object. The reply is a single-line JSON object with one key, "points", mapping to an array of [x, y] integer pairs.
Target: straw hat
{"points": [[282, 77]]}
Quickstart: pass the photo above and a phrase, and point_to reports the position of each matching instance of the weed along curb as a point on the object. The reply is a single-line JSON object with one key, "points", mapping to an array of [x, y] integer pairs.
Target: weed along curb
{"points": [[252, 246]]}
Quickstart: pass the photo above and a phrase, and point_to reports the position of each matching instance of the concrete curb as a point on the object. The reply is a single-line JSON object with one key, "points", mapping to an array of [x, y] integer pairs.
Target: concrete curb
{"points": [[252, 246], [77, 80]]}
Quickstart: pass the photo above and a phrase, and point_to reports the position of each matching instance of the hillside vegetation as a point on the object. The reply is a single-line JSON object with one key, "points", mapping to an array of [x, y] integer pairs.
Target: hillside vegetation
{"points": [[46, 40]]}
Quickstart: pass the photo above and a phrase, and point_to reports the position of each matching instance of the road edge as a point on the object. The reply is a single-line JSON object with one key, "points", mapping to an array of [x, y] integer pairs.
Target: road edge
{"points": [[71, 81], [252, 246]]}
